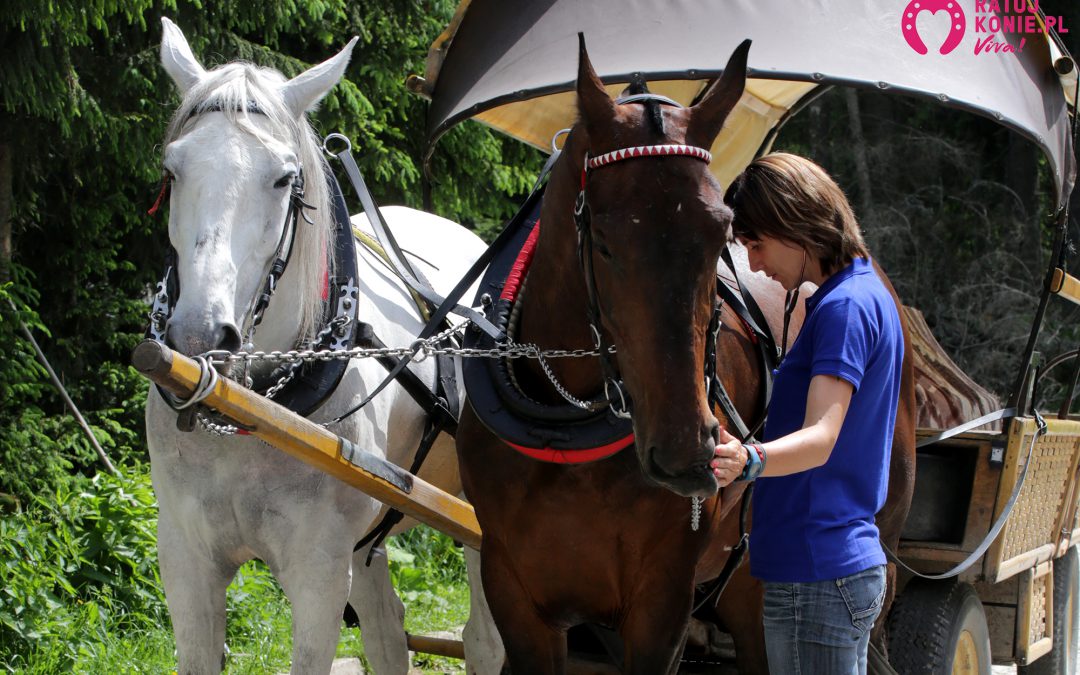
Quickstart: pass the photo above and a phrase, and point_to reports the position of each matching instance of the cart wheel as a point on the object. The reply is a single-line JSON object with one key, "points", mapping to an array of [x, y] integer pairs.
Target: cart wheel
{"points": [[1062, 657], [937, 628]]}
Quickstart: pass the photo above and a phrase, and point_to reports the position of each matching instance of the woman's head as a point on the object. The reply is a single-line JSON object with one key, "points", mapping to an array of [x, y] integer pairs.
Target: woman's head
{"points": [[791, 199]]}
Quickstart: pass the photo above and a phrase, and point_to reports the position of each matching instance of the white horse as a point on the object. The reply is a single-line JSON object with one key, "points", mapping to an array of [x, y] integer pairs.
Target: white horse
{"points": [[234, 149]]}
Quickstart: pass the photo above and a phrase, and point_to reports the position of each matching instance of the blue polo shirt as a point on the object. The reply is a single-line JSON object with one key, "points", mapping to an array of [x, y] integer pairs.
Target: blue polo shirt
{"points": [[819, 524]]}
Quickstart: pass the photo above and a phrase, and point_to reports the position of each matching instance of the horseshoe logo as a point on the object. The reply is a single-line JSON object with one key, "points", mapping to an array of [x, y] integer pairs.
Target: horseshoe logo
{"points": [[952, 9]]}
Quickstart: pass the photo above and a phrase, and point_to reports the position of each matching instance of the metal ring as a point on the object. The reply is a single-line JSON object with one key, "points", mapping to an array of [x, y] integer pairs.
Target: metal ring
{"points": [[560, 132], [419, 350], [336, 137]]}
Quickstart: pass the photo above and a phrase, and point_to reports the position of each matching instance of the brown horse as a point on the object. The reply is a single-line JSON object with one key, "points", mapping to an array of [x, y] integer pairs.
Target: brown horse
{"points": [[610, 542]]}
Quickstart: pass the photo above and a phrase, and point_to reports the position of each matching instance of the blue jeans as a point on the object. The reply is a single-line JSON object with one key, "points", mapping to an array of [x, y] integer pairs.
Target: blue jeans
{"points": [[822, 627]]}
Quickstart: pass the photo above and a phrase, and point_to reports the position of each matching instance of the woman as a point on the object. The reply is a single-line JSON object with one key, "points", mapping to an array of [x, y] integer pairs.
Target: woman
{"points": [[823, 468]]}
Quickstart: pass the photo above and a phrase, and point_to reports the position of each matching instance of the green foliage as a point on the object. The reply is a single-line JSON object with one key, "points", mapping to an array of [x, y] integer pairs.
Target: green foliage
{"points": [[78, 564], [428, 571], [425, 565], [84, 103]]}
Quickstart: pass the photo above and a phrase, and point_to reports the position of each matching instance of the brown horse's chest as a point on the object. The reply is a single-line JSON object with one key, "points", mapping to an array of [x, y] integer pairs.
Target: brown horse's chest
{"points": [[579, 564]]}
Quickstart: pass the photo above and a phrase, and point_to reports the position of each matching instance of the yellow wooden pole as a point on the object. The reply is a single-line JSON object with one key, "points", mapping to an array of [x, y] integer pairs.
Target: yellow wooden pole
{"points": [[438, 646], [314, 444]]}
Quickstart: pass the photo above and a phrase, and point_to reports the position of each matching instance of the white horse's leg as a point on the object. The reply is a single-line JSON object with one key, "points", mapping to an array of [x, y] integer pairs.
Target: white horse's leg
{"points": [[484, 653], [317, 585], [195, 592], [381, 613]]}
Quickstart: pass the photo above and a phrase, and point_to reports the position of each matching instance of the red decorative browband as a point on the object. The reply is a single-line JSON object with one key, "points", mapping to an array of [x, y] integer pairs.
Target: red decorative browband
{"points": [[666, 150]]}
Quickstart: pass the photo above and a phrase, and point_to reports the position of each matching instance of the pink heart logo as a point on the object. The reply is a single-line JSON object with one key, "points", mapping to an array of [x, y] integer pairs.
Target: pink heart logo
{"points": [[909, 27]]}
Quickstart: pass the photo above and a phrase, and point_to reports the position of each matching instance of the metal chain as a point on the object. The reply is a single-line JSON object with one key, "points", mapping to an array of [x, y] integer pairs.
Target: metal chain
{"points": [[584, 405], [419, 350], [213, 427], [695, 513]]}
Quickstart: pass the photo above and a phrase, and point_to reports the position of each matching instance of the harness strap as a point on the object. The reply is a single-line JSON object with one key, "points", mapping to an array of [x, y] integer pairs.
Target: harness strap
{"points": [[378, 533], [443, 310], [748, 309], [373, 245], [432, 403], [766, 351], [413, 278], [735, 559]]}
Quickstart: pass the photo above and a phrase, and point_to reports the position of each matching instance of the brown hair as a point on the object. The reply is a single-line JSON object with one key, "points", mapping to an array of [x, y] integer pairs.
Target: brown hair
{"points": [[787, 197]]}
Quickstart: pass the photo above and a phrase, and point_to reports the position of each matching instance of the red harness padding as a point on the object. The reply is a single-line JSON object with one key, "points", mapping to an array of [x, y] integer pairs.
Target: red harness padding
{"points": [[579, 456], [521, 266], [511, 288]]}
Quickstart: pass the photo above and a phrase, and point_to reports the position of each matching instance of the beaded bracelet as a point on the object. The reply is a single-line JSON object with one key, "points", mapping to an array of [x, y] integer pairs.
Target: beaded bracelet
{"points": [[755, 462]]}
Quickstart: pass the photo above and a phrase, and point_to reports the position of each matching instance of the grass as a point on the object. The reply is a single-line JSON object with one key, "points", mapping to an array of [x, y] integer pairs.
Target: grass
{"points": [[79, 591]]}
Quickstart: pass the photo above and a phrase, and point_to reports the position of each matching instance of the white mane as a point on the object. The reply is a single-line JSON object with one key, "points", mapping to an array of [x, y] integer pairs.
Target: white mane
{"points": [[232, 88]]}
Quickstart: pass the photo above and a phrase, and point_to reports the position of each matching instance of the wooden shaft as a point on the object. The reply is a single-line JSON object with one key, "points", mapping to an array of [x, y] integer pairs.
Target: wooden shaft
{"points": [[314, 444], [428, 644], [1065, 285]]}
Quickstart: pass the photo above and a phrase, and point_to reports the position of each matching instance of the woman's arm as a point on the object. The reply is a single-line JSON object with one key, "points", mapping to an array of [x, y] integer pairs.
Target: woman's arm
{"points": [[827, 404]]}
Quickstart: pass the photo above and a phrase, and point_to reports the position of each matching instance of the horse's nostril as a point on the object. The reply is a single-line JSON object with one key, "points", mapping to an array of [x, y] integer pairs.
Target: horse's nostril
{"points": [[714, 432], [228, 338]]}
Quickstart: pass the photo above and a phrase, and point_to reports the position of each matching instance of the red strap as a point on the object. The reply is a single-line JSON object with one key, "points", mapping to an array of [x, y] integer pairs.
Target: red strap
{"points": [[521, 266], [161, 196], [581, 456]]}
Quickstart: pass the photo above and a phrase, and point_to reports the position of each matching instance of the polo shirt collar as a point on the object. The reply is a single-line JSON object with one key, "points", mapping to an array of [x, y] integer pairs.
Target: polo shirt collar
{"points": [[858, 266]]}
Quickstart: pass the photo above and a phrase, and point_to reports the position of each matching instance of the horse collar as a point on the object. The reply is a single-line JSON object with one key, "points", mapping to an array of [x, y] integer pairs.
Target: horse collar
{"points": [[560, 433]]}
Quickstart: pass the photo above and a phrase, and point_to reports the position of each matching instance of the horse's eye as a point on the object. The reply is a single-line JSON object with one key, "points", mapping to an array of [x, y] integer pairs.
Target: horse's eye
{"points": [[285, 181]]}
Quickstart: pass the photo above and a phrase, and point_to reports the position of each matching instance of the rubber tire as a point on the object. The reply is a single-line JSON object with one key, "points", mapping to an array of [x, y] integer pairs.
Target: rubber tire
{"points": [[1062, 657], [926, 624]]}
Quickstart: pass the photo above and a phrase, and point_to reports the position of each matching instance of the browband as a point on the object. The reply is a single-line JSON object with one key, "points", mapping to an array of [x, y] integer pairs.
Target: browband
{"points": [[665, 150]]}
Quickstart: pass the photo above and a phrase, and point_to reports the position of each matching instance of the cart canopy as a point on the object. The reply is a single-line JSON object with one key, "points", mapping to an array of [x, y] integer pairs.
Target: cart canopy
{"points": [[511, 64]]}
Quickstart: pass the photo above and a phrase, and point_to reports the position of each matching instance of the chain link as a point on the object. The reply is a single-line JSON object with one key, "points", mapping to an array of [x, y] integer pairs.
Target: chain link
{"points": [[418, 350]]}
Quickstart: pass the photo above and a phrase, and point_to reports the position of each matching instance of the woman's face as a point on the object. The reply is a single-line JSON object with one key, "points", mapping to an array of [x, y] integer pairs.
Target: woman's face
{"points": [[780, 260]]}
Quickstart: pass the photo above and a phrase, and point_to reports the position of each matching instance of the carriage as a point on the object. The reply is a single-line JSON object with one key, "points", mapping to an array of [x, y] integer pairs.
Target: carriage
{"points": [[1004, 505]]}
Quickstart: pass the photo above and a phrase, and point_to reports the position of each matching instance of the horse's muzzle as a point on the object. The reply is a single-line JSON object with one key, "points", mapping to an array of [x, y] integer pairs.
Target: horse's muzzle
{"points": [[686, 474]]}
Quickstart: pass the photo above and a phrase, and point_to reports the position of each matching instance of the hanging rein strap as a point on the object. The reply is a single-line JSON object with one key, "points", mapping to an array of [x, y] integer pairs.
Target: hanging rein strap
{"points": [[412, 277]]}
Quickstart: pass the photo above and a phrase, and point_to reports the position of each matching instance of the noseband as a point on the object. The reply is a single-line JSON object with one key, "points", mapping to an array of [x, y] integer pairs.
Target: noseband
{"points": [[618, 397]]}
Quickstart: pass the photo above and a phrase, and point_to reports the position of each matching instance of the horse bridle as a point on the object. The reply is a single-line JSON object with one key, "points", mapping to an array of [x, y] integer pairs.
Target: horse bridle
{"points": [[168, 289], [614, 389]]}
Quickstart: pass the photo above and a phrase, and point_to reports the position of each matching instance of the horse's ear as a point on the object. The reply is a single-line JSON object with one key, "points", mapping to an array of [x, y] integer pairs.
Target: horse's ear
{"points": [[707, 117], [176, 57], [305, 90], [594, 104]]}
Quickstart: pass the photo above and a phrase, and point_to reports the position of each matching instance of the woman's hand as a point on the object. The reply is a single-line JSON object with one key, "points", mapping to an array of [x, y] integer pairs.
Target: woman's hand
{"points": [[729, 459]]}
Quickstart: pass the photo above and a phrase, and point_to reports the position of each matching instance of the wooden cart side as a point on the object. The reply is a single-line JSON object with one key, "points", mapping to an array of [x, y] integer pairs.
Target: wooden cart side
{"points": [[1035, 528], [972, 459]]}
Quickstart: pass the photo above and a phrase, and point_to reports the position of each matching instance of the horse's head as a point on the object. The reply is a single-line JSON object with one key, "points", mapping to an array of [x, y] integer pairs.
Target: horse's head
{"points": [[657, 225], [238, 152]]}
